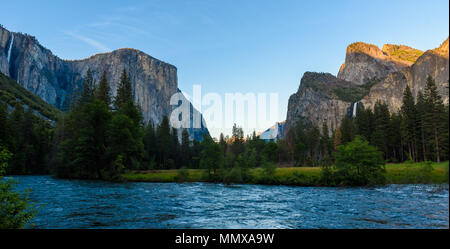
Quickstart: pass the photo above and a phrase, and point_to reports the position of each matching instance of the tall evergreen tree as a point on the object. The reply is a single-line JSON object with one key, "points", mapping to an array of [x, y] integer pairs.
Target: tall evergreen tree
{"points": [[421, 108], [223, 143], [185, 148], [237, 146], [326, 144], [88, 90], [381, 127], [4, 126], [103, 91], [435, 116], [394, 138], [164, 140], [150, 145], [364, 122], [347, 130], [124, 91], [409, 125]]}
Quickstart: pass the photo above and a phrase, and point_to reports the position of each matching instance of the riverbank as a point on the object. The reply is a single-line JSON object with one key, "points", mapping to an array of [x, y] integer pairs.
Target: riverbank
{"points": [[403, 173]]}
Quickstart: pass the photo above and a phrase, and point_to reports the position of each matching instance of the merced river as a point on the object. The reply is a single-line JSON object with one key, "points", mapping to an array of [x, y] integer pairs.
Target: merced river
{"points": [[98, 204]]}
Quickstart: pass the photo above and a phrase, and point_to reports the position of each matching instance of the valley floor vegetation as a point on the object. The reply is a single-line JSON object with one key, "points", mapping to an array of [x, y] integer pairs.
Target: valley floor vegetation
{"points": [[101, 137], [399, 173]]}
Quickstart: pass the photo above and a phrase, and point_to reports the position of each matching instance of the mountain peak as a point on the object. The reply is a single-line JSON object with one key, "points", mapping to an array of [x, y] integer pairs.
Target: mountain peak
{"points": [[367, 48], [364, 61], [442, 49], [402, 53]]}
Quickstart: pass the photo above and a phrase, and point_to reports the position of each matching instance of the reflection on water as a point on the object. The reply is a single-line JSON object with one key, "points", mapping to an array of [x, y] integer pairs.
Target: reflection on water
{"points": [[95, 204]]}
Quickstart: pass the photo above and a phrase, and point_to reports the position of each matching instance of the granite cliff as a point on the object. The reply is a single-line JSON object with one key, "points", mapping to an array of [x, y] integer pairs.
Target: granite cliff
{"points": [[321, 98], [434, 62], [368, 74], [53, 79], [366, 61]]}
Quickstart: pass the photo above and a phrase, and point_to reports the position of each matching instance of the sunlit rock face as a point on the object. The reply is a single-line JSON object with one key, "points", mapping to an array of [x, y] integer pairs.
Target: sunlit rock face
{"points": [[320, 99], [434, 62], [54, 79], [317, 101], [366, 61]]}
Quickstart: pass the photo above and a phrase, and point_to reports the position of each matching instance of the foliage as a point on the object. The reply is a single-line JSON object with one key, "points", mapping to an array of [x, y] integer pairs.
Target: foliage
{"points": [[359, 163], [16, 209], [233, 176], [182, 175], [13, 94], [28, 137]]}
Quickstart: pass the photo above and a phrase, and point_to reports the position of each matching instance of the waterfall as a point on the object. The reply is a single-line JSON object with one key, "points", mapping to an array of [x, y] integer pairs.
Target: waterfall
{"points": [[10, 47], [355, 105]]}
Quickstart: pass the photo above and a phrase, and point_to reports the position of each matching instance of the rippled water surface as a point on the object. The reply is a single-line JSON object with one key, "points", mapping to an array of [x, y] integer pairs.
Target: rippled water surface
{"points": [[94, 204]]}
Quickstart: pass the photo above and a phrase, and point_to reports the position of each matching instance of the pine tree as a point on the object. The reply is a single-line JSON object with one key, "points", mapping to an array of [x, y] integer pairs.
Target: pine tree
{"points": [[364, 122], [313, 144], [394, 137], [4, 127], [103, 91], [237, 146], [300, 148], [223, 143], [421, 108], [381, 127], [337, 138], [175, 148], [124, 91], [326, 144], [150, 144], [164, 141], [435, 116], [87, 93], [409, 113], [347, 130], [185, 148]]}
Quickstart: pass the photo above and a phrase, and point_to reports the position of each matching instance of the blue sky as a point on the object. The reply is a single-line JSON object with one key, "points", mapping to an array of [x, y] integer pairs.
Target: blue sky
{"points": [[229, 45]]}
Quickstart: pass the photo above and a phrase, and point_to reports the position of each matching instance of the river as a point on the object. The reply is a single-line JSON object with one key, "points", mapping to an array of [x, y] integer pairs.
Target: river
{"points": [[97, 204]]}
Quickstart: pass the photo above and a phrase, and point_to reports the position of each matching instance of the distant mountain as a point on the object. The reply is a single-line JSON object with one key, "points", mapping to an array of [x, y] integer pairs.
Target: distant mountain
{"points": [[273, 132], [368, 74], [12, 93], [54, 80]]}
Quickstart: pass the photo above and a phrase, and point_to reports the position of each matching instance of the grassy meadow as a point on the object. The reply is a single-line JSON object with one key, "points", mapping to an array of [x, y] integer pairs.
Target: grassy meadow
{"points": [[402, 173]]}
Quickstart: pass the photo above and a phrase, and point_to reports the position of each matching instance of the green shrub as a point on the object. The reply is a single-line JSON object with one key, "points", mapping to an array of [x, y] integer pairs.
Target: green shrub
{"points": [[182, 175], [233, 176], [326, 176], [300, 179], [268, 169], [16, 209], [358, 164]]}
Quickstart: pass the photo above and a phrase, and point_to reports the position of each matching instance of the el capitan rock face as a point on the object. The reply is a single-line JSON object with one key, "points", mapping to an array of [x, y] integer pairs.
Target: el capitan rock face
{"points": [[54, 79]]}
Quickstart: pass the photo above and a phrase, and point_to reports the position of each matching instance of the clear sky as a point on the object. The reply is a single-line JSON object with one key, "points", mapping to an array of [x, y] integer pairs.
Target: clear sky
{"points": [[230, 45]]}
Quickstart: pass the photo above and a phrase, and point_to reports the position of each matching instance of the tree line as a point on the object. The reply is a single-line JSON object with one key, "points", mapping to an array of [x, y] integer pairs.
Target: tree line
{"points": [[27, 136], [99, 137], [418, 132]]}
